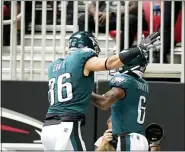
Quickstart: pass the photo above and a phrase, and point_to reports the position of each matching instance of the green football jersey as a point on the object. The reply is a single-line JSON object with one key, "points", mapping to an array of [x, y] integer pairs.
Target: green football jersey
{"points": [[128, 114], [69, 90]]}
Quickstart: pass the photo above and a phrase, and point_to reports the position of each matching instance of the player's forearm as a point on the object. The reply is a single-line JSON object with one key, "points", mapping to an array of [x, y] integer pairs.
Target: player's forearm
{"points": [[104, 102], [124, 57], [114, 62], [98, 100], [96, 97]]}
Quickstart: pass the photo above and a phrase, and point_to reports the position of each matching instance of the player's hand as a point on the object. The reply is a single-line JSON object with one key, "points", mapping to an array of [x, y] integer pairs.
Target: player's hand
{"points": [[148, 42], [107, 137], [155, 148]]}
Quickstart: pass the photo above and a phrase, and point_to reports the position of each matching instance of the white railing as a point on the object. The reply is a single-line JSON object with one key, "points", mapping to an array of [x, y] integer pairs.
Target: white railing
{"points": [[1, 31], [23, 60], [183, 41]]}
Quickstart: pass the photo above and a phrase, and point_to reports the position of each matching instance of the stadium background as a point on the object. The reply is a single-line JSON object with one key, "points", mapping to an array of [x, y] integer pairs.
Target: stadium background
{"points": [[24, 75]]}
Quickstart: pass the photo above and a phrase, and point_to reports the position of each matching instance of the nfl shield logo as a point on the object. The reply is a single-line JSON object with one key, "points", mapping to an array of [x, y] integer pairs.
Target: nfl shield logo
{"points": [[65, 129]]}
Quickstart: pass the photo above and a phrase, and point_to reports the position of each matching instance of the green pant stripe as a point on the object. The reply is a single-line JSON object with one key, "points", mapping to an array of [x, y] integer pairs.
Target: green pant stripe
{"points": [[75, 140]]}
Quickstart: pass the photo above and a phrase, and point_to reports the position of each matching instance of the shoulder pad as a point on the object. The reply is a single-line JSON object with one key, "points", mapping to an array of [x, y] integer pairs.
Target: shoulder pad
{"points": [[87, 50], [118, 79]]}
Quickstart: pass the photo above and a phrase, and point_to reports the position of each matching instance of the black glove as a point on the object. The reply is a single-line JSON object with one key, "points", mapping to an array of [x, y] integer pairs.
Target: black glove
{"points": [[148, 42]]}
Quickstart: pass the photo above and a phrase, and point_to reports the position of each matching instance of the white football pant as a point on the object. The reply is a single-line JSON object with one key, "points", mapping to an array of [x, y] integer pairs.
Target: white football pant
{"points": [[63, 136], [132, 142]]}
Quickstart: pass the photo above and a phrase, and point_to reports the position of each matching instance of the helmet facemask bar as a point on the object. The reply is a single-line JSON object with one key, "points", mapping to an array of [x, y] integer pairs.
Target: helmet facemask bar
{"points": [[95, 45]]}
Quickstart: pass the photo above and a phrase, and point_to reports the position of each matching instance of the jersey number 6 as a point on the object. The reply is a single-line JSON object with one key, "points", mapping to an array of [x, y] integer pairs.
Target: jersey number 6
{"points": [[141, 110], [64, 90]]}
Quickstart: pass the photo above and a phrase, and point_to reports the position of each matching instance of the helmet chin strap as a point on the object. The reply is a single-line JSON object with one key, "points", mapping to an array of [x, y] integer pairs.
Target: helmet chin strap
{"points": [[139, 73], [134, 70]]}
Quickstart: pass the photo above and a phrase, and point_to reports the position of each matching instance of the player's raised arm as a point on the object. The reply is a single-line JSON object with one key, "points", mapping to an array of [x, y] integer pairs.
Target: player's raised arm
{"points": [[104, 102], [115, 61], [123, 58]]}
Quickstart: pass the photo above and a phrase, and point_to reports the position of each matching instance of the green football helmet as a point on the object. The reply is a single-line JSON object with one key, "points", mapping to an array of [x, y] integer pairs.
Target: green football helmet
{"points": [[137, 65], [83, 39]]}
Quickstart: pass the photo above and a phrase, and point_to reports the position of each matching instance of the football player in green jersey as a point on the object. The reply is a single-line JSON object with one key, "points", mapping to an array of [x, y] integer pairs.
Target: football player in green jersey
{"points": [[71, 82], [127, 99]]}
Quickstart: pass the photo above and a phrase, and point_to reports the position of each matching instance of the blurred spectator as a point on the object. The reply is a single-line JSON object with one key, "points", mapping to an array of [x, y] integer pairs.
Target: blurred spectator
{"points": [[69, 13], [6, 11], [102, 144], [18, 23], [155, 148], [7, 16], [133, 9], [6, 28], [167, 26], [28, 15], [57, 9]]}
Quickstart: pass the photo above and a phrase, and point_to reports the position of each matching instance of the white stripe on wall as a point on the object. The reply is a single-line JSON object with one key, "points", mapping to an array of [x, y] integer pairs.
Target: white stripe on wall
{"points": [[21, 118]]}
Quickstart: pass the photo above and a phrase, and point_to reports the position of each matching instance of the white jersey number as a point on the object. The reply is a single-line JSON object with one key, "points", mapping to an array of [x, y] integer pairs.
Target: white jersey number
{"points": [[60, 90], [141, 110]]}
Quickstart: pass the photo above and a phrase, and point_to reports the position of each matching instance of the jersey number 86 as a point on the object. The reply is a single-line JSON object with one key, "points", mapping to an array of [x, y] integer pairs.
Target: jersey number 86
{"points": [[64, 90]]}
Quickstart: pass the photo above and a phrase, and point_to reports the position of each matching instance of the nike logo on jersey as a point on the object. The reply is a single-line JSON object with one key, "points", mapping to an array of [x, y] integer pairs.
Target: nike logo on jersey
{"points": [[65, 129]]}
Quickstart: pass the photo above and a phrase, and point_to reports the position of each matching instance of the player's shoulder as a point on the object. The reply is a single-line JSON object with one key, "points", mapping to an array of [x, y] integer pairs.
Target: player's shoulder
{"points": [[84, 51], [82, 55], [119, 79], [144, 81], [55, 64], [57, 61]]}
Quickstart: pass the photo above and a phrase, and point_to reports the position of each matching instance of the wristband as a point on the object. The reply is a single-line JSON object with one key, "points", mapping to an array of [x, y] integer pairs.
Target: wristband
{"points": [[106, 64], [126, 56]]}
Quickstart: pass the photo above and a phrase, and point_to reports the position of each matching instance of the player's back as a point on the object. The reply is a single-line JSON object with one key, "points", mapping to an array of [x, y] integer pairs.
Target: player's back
{"points": [[128, 114], [70, 90]]}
